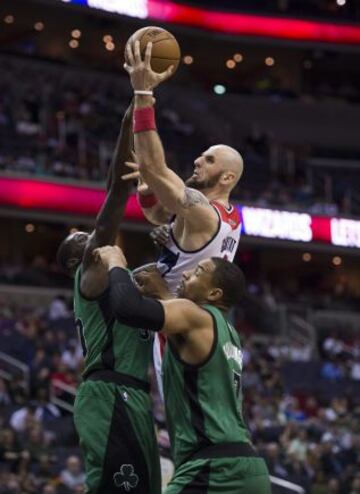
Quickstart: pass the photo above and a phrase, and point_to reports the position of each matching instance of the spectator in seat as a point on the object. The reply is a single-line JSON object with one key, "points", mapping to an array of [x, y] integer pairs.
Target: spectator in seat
{"points": [[36, 444], [24, 419], [49, 489], [72, 356], [10, 453], [334, 486], [58, 309], [73, 475], [332, 371], [273, 461], [355, 485]]}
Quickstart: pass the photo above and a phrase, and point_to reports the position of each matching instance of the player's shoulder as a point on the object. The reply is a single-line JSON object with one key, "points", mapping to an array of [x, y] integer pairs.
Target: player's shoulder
{"points": [[230, 215]]}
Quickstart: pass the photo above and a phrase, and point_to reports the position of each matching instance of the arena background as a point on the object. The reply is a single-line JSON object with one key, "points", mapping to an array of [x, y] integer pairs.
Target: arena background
{"points": [[278, 80]]}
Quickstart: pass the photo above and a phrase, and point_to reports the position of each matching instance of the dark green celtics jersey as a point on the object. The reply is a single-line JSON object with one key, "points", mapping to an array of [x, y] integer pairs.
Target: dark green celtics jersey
{"points": [[204, 403], [106, 343]]}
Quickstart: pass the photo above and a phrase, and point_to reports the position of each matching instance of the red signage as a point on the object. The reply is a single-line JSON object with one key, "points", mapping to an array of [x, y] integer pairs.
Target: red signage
{"points": [[32, 194], [229, 22]]}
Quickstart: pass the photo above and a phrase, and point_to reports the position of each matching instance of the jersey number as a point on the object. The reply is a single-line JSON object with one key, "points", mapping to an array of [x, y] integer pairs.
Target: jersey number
{"points": [[80, 329]]}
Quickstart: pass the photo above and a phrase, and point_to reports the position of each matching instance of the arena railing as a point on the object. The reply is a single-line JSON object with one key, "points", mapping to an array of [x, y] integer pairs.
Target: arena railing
{"points": [[281, 486], [344, 320], [11, 367], [33, 295], [62, 395]]}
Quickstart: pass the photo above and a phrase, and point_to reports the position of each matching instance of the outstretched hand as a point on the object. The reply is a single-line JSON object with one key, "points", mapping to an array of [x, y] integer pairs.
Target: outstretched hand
{"points": [[160, 235], [142, 77], [142, 187], [111, 256]]}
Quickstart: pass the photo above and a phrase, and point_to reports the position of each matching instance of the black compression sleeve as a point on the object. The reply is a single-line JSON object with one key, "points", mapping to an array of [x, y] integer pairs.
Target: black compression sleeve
{"points": [[132, 308]]}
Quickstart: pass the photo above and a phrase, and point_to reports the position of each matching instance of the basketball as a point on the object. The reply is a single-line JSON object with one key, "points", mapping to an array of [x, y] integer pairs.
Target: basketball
{"points": [[165, 49]]}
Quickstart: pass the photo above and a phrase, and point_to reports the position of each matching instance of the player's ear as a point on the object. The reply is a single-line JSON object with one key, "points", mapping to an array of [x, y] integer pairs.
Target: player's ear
{"points": [[215, 294], [228, 177]]}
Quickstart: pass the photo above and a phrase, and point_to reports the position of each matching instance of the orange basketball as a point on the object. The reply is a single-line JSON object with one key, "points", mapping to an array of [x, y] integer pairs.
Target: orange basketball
{"points": [[165, 48]]}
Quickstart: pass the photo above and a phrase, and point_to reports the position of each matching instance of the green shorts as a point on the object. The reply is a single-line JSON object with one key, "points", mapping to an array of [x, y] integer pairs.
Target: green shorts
{"points": [[221, 475], [117, 439]]}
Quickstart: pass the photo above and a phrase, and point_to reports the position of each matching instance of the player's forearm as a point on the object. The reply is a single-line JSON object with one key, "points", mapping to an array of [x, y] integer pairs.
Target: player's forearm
{"points": [[148, 147], [129, 306], [112, 211], [123, 148], [166, 184]]}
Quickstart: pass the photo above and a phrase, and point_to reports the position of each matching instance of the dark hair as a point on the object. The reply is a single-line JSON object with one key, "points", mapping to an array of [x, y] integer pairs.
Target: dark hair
{"points": [[70, 248], [230, 278]]}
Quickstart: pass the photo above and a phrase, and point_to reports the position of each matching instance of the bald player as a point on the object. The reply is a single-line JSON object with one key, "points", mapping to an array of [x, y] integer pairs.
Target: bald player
{"points": [[203, 223]]}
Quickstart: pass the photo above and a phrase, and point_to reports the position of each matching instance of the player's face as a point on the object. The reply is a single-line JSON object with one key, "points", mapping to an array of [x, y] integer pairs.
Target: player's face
{"points": [[196, 284], [207, 171], [78, 242]]}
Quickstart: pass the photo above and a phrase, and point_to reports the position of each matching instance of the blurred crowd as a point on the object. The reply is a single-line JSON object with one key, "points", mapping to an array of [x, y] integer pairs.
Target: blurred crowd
{"points": [[63, 122], [308, 436]]}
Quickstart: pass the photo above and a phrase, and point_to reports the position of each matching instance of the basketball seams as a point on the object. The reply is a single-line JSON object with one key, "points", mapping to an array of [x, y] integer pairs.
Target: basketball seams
{"points": [[170, 47]]}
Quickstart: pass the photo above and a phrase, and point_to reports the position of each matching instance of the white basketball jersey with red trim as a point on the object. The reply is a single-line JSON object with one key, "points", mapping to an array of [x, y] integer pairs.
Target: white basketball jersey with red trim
{"points": [[173, 261]]}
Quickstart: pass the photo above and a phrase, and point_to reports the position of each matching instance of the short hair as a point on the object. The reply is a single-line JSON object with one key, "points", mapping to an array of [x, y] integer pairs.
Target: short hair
{"points": [[69, 248], [230, 278], [66, 250]]}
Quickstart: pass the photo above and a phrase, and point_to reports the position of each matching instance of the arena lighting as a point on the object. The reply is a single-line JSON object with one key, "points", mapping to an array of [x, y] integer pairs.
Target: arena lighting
{"points": [[337, 261], [230, 64], [231, 23], [9, 19], [341, 3], [188, 60], [269, 61], [238, 57], [57, 197], [29, 228], [76, 33], [219, 89], [73, 43], [39, 26]]}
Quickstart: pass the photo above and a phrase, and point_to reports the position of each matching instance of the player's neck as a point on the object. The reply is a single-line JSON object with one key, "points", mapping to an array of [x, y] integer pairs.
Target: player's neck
{"points": [[213, 195]]}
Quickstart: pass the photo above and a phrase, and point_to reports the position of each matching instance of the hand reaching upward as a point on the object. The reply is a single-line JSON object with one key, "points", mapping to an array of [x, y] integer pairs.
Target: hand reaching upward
{"points": [[142, 77]]}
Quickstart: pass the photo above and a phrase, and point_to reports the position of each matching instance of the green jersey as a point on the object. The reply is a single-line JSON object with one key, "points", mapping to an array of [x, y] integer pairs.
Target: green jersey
{"points": [[204, 402], [106, 343]]}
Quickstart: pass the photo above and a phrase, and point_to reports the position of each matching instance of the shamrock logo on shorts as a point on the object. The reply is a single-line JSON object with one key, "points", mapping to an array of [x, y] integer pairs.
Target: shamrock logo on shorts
{"points": [[126, 478]]}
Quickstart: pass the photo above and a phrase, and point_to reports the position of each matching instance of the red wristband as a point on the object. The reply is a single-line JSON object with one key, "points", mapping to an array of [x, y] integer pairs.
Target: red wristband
{"points": [[147, 201], [144, 119]]}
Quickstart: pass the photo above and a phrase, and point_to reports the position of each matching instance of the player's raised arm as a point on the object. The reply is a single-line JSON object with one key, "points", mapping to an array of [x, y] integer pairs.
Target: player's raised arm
{"points": [[112, 211], [168, 187]]}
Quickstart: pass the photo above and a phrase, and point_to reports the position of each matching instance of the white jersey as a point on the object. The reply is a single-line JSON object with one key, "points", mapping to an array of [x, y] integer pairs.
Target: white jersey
{"points": [[173, 261]]}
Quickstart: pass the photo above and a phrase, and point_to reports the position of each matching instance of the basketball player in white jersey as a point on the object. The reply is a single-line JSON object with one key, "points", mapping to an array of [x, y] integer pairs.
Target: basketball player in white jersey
{"points": [[203, 222]]}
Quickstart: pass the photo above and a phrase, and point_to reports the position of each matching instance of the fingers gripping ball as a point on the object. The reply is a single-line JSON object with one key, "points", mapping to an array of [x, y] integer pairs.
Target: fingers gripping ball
{"points": [[165, 49]]}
